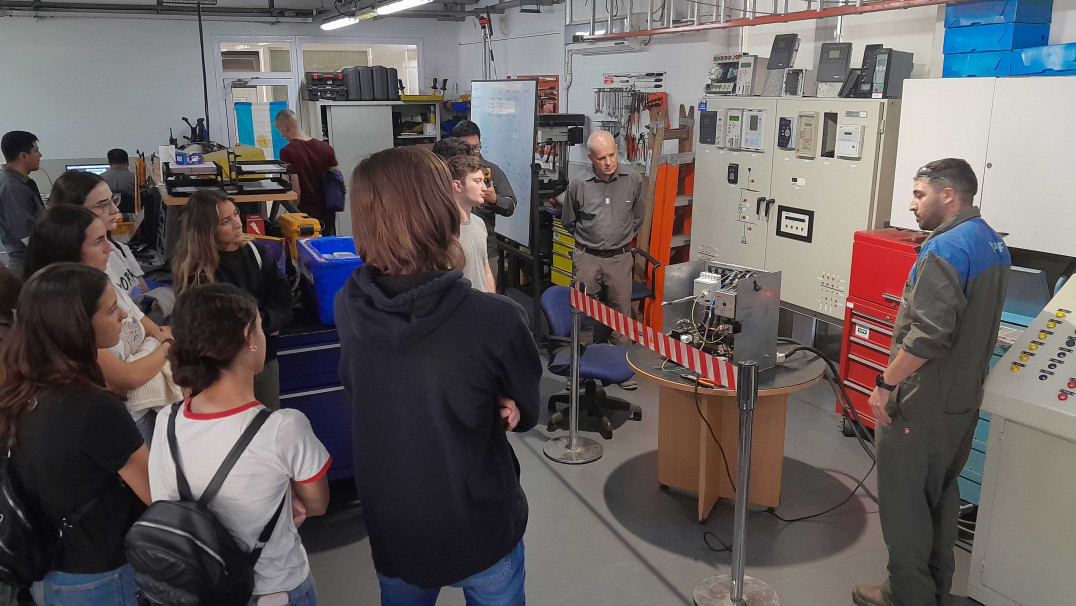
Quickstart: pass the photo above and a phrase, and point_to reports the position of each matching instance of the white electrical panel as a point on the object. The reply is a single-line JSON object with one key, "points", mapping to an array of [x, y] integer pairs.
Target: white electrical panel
{"points": [[849, 141], [754, 127], [1024, 535], [791, 208], [733, 128]]}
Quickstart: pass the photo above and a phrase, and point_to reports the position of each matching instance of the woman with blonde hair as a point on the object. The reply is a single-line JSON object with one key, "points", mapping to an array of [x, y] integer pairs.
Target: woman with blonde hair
{"points": [[213, 248], [437, 374]]}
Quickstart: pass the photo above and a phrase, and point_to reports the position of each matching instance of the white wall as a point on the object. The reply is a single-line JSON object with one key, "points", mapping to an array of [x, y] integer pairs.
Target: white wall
{"points": [[85, 85]]}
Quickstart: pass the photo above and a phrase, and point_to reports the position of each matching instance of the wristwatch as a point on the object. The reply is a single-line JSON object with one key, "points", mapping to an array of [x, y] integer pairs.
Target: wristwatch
{"points": [[880, 382]]}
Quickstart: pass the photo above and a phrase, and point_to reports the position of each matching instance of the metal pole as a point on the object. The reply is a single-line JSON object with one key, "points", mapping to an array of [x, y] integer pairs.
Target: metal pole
{"points": [[594, 16], [722, 8], [746, 396], [627, 18], [650, 16], [573, 419], [573, 449], [735, 588], [609, 10]]}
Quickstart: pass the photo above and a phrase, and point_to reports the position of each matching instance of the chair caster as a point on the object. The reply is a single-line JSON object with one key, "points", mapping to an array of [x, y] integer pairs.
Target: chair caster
{"points": [[606, 429]]}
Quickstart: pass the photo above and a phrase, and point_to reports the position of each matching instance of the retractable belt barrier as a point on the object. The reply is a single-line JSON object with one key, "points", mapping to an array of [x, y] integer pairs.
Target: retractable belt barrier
{"points": [[717, 370]]}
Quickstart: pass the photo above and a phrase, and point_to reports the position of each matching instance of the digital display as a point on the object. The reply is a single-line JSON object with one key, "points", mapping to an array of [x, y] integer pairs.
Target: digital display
{"points": [[734, 118], [745, 65], [835, 54], [754, 123]]}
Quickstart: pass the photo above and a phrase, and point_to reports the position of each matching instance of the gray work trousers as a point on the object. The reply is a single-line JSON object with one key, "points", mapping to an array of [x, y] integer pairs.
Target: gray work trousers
{"points": [[920, 456], [610, 279]]}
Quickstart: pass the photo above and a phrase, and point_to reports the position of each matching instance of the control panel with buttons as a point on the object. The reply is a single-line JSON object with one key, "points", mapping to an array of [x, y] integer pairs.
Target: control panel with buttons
{"points": [[1041, 378]]}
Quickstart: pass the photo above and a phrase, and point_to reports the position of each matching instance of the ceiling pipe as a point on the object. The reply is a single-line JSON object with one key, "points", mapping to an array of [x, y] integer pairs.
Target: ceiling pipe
{"points": [[75, 7], [834, 11]]}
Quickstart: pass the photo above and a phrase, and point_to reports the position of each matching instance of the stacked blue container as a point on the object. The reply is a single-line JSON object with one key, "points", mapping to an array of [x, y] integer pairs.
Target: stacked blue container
{"points": [[983, 38]]}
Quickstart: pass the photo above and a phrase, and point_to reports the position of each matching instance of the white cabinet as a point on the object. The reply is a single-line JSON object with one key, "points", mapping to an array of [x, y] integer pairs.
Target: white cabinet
{"points": [[1016, 133]]}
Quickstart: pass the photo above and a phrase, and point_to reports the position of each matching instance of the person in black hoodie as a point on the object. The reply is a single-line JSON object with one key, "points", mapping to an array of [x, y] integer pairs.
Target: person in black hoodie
{"points": [[436, 373], [213, 248]]}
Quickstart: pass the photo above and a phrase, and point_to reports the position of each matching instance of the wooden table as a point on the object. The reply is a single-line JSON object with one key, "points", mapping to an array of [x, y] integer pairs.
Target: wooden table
{"points": [[690, 460]]}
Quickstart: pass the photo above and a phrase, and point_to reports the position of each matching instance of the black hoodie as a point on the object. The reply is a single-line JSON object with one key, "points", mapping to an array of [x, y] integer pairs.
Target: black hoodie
{"points": [[424, 359]]}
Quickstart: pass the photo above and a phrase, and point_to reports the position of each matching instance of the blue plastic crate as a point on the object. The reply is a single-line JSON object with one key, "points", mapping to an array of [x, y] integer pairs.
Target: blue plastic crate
{"points": [[982, 65], [1001, 37], [326, 264], [999, 11], [1056, 59]]}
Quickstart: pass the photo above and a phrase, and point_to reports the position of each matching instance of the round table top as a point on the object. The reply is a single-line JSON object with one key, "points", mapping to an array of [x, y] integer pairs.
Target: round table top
{"points": [[799, 371]]}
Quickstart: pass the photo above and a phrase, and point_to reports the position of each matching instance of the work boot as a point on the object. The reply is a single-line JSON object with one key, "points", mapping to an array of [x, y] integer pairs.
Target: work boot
{"points": [[629, 385], [869, 595]]}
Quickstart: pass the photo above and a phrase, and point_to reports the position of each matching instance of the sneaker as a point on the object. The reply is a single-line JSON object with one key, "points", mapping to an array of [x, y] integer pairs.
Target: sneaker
{"points": [[629, 385]]}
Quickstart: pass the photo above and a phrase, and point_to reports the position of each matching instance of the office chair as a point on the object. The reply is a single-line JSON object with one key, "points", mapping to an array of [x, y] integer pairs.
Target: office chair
{"points": [[644, 291], [599, 363]]}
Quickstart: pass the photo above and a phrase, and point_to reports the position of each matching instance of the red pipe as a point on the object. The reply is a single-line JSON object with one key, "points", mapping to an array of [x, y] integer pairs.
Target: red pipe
{"points": [[836, 11]]}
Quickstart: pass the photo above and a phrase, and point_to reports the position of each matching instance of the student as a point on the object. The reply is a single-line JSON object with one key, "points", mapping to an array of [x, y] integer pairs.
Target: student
{"points": [[499, 199], [71, 440], [219, 348], [468, 185], [79, 188], [20, 200], [119, 177], [437, 374], [135, 366], [213, 248]]}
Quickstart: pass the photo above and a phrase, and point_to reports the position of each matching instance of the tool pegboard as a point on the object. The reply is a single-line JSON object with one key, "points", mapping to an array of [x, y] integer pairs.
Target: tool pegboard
{"points": [[622, 105]]}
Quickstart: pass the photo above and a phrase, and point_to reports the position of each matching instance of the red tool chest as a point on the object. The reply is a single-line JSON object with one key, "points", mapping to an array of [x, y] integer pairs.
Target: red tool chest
{"points": [[881, 261]]}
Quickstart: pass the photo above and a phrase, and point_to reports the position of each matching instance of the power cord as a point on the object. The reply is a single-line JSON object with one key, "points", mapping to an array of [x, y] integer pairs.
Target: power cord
{"points": [[713, 435]]}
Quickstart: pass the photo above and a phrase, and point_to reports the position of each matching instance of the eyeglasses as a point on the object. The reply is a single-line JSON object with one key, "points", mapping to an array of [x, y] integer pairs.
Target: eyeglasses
{"points": [[929, 173], [103, 205]]}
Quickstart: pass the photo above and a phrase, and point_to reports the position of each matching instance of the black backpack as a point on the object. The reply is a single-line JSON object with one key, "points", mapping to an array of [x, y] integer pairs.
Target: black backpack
{"points": [[181, 554]]}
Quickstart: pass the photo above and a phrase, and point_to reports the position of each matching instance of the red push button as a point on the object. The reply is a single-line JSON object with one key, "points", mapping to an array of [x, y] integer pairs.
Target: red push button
{"points": [[1072, 384], [1062, 396]]}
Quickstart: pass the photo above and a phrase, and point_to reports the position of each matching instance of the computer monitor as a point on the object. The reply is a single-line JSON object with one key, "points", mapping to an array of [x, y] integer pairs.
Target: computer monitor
{"points": [[89, 168]]}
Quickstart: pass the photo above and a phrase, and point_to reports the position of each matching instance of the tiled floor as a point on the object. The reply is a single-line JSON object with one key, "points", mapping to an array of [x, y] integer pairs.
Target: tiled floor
{"points": [[604, 533]]}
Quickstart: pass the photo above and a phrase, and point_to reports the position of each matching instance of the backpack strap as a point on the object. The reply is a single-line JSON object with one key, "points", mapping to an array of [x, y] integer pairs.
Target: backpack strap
{"points": [[233, 456], [263, 538], [257, 253], [173, 446], [225, 467]]}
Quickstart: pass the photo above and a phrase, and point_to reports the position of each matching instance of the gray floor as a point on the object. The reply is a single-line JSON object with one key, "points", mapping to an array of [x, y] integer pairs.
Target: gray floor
{"points": [[604, 533]]}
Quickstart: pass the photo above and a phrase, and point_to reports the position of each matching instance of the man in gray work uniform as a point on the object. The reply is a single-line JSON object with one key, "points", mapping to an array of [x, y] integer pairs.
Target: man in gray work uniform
{"points": [[603, 209], [926, 403], [498, 199], [20, 200]]}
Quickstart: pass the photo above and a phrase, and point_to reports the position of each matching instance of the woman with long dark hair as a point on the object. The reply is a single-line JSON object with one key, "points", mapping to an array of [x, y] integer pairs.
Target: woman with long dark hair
{"points": [[220, 347], [437, 374], [213, 248], [71, 440], [136, 365]]}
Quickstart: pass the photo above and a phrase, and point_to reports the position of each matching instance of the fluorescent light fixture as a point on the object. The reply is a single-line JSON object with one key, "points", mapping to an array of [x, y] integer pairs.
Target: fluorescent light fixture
{"points": [[242, 46], [399, 5], [346, 21]]}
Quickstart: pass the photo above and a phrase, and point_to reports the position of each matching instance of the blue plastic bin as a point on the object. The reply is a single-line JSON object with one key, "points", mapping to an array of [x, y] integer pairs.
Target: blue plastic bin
{"points": [[999, 11], [1057, 59], [325, 265], [1002, 37], [981, 65]]}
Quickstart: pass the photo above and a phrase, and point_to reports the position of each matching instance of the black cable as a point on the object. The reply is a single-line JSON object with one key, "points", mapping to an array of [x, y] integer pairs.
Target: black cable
{"points": [[773, 512], [724, 458], [724, 546]]}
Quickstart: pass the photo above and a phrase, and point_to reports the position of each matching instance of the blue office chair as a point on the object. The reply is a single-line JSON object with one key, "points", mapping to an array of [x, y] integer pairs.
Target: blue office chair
{"points": [[599, 363], [644, 290]]}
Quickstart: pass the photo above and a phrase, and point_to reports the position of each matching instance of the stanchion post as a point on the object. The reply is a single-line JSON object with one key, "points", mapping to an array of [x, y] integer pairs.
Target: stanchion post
{"points": [[736, 588], [574, 449], [746, 396]]}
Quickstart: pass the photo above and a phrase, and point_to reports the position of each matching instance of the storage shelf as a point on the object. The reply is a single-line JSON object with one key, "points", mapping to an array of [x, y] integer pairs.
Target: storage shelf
{"points": [[680, 240], [684, 199]]}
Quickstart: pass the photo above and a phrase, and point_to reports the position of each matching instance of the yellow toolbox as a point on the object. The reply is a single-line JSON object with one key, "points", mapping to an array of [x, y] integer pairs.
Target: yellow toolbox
{"points": [[294, 226]]}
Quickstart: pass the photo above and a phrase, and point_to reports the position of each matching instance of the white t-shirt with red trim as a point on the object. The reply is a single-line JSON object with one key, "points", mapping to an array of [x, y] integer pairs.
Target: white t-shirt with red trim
{"points": [[284, 449]]}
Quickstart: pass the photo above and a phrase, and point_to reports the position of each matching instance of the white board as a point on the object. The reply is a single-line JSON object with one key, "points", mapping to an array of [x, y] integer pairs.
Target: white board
{"points": [[504, 110]]}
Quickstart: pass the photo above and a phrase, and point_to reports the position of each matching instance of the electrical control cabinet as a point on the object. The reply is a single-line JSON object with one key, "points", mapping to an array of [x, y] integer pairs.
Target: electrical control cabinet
{"points": [[1024, 534], [792, 209], [733, 128]]}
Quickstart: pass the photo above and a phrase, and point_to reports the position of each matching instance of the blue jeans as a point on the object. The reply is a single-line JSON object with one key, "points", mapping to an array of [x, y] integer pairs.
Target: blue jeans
{"points": [[499, 585], [306, 594], [115, 588]]}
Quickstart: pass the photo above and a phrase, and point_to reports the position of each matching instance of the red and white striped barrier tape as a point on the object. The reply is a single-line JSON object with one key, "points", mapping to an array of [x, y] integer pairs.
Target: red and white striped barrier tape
{"points": [[719, 371]]}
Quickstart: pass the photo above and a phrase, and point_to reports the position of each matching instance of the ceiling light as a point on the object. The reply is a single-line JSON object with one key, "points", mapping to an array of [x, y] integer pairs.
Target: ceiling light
{"points": [[346, 21], [242, 46], [399, 5]]}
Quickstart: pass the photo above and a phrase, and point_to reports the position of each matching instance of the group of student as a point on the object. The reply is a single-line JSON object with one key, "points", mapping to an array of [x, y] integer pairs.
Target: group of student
{"points": [[83, 373]]}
